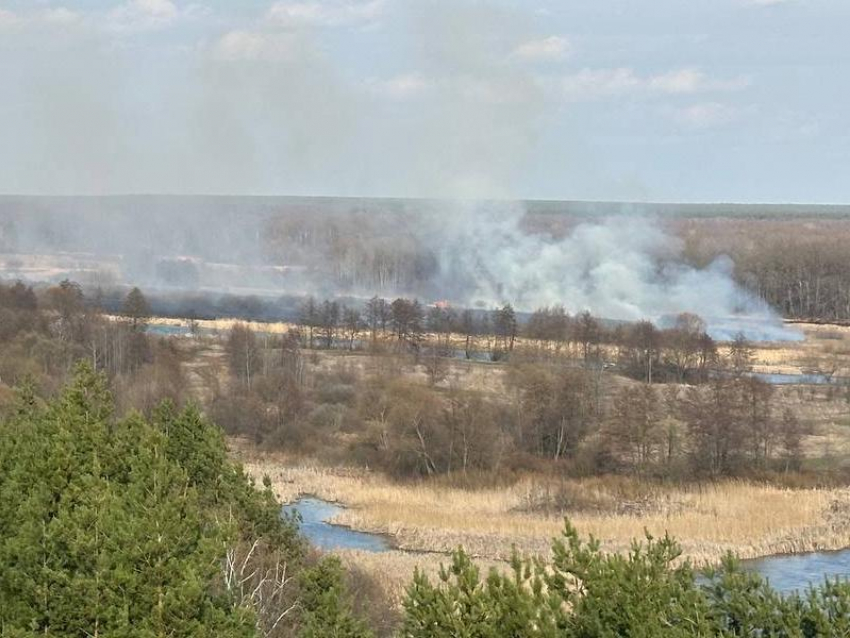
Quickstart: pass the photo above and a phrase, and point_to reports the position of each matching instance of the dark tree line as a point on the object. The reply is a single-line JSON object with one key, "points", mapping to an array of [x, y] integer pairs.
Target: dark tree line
{"points": [[410, 324], [803, 280], [797, 265], [680, 353]]}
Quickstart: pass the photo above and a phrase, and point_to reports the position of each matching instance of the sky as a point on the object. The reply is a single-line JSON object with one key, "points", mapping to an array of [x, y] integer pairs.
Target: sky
{"points": [[628, 100]]}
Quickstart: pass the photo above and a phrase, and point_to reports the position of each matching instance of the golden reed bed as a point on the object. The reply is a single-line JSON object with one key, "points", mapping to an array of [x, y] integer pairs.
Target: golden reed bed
{"points": [[428, 521]]}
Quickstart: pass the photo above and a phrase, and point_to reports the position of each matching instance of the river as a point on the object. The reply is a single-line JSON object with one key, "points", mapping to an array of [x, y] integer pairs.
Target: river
{"points": [[786, 573], [315, 516], [797, 572]]}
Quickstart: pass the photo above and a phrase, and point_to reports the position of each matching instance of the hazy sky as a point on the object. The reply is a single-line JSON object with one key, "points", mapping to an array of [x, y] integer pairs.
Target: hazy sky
{"points": [[677, 100]]}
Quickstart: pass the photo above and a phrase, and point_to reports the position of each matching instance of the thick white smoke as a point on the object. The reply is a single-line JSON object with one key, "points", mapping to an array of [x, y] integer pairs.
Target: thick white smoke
{"points": [[622, 267]]}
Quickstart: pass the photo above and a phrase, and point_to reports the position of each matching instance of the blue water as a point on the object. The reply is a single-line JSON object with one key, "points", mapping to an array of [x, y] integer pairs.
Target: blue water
{"points": [[315, 514], [792, 379], [802, 379], [167, 331], [798, 572]]}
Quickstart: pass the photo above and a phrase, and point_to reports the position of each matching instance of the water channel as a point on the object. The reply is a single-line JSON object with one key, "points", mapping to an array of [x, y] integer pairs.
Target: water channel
{"points": [[315, 516], [786, 573]]}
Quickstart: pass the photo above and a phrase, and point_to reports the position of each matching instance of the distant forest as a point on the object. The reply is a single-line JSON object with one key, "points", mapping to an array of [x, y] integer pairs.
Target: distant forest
{"points": [[792, 256]]}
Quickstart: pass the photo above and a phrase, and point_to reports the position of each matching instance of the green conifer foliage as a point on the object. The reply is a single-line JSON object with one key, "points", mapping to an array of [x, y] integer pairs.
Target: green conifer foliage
{"points": [[584, 593], [328, 608], [119, 527]]}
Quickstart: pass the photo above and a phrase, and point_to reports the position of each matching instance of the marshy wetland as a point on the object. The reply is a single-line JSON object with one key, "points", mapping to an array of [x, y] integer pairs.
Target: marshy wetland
{"points": [[785, 572]]}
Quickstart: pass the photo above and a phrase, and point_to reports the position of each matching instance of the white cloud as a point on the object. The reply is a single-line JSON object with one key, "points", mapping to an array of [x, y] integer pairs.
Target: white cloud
{"points": [[329, 13], [278, 36], [157, 9], [452, 88], [253, 45], [401, 87], [494, 90], [136, 15], [708, 115], [161, 11], [591, 84], [61, 15], [693, 81], [598, 83], [239, 45], [50, 16], [552, 48], [476, 91]]}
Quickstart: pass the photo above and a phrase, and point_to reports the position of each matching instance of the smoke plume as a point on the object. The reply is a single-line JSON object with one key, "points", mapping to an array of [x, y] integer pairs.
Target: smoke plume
{"points": [[624, 267]]}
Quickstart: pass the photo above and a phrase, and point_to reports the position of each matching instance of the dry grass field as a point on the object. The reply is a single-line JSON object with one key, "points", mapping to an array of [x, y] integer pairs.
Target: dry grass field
{"points": [[428, 520], [825, 349], [223, 325]]}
